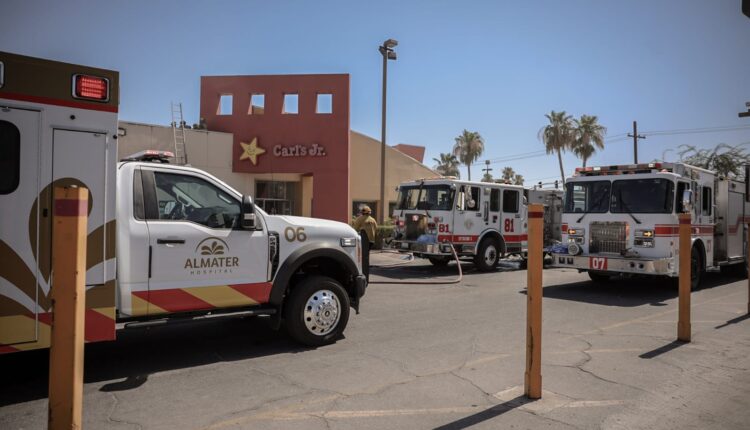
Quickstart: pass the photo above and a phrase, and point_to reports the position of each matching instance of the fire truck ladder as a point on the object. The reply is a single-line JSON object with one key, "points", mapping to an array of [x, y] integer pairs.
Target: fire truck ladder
{"points": [[178, 131]]}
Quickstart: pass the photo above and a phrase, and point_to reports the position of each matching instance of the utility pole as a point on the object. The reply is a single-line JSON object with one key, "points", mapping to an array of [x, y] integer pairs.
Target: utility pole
{"points": [[635, 137], [487, 168]]}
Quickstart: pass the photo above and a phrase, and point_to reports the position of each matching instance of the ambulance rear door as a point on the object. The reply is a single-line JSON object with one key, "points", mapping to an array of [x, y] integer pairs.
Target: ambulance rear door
{"points": [[19, 186]]}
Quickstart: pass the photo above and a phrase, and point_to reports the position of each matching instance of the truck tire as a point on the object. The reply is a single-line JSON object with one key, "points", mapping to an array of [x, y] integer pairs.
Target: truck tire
{"points": [[599, 277], [487, 255], [696, 267], [317, 311], [439, 261]]}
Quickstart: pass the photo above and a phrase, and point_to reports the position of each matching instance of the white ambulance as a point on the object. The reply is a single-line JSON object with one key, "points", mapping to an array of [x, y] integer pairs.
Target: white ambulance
{"points": [[484, 221], [165, 242], [623, 220]]}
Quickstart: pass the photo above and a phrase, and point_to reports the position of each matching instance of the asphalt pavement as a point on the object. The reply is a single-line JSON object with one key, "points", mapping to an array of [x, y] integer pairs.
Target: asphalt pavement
{"points": [[445, 356]]}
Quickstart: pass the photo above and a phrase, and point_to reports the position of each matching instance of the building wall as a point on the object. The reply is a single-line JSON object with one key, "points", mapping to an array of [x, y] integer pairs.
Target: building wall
{"points": [[364, 181], [212, 151], [206, 150], [318, 142]]}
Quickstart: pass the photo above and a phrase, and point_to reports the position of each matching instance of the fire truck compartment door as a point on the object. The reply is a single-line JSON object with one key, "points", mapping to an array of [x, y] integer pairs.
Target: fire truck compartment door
{"points": [[735, 232], [19, 187]]}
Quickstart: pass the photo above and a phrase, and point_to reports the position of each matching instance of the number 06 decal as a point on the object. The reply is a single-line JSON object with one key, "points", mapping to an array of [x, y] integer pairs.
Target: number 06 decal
{"points": [[291, 234]]}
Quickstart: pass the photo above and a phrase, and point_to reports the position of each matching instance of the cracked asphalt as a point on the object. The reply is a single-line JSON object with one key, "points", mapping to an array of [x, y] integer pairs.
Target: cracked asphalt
{"points": [[427, 357]]}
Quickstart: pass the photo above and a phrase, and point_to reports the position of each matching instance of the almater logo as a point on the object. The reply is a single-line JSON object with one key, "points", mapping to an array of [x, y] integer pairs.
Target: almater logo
{"points": [[212, 259]]}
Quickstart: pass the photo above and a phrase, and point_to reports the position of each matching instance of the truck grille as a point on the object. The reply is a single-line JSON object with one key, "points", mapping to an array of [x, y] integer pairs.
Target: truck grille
{"points": [[610, 237], [416, 225]]}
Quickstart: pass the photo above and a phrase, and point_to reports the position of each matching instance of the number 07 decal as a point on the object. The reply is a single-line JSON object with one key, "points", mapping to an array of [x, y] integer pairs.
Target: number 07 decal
{"points": [[290, 234], [598, 263]]}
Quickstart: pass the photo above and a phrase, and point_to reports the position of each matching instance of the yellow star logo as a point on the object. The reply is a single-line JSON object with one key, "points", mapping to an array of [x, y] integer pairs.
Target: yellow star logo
{"points": [[251, 151]]}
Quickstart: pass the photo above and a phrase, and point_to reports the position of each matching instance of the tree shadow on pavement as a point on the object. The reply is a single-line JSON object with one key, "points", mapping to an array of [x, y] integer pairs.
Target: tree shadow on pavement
{"points": [[486, 414], [137, 353], [627, 292]]}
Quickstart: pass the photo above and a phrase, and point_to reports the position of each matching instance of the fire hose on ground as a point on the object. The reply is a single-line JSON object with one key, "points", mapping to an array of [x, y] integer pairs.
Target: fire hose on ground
{"points": [[446, 282]]}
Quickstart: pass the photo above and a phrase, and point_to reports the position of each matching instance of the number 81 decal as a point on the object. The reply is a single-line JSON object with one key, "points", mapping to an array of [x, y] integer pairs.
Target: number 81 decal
{"points": [[508, 224], [298, 234]]}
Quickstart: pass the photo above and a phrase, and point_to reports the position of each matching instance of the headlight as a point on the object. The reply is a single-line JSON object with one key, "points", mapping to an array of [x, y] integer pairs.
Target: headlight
{"points": [[576, 231], [348, 242]]}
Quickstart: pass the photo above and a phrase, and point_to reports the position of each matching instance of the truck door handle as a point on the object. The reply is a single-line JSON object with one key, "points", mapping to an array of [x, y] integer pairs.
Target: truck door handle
{"points": [[170, 241]]}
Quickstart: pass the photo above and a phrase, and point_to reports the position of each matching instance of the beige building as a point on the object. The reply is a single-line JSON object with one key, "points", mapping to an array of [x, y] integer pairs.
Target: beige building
{"points": [[292, 193]]}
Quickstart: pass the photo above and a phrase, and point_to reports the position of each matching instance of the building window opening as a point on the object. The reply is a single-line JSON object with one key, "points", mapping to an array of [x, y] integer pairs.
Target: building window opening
{"points": [[225, 104], [257, 104], [324, 104], [277, 198], [291, 104]]}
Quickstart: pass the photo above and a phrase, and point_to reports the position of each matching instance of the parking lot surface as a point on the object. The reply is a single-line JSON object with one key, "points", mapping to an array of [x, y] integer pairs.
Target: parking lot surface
{"points": [[427, 356]]}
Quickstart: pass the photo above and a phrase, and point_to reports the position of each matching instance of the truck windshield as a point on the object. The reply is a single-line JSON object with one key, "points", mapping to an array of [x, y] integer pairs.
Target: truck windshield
{"points": [[645, 196], [432, 197], [587, 197]]}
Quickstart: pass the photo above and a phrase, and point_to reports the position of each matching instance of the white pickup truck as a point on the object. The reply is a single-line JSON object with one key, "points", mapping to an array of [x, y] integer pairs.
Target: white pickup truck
{"points": [[165, 242]]}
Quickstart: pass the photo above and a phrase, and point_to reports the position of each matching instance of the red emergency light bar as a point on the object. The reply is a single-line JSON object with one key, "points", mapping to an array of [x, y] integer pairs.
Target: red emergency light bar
{"points": [[90, 88], [621, 169]]}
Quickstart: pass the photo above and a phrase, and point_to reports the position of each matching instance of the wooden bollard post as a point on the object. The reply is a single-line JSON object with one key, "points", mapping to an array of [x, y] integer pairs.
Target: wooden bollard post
{"points": [[683, 324], [68, 308], [533, 375]]}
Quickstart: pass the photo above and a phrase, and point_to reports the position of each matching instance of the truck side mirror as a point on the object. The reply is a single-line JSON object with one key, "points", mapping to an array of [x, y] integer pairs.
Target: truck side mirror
{"points": [[687, 201], [247, 214]]}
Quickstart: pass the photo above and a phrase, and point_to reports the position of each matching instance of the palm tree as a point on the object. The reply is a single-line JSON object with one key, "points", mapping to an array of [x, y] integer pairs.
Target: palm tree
{"points": [[508, 174], [447, 165], [468, 148], [726, 160], [589, 136], [558, 136]]}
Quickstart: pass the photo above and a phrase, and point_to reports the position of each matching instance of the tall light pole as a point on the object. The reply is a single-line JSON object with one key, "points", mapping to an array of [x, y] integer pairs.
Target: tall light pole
{"points": [[386, 50]]}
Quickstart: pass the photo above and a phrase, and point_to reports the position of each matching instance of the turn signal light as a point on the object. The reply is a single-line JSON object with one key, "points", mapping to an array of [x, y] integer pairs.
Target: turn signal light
{"points": [[576, 231], [90, 88]]}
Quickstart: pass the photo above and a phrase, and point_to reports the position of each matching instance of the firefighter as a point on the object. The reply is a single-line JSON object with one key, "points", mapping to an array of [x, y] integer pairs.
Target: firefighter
{"points": [[366, 226]]}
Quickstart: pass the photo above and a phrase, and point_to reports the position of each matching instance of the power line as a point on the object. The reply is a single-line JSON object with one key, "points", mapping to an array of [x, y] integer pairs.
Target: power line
{"points": [[618, 138], [697, 130]]}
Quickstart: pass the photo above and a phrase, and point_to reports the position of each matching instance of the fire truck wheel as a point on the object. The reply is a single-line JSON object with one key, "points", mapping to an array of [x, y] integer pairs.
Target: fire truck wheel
{"points": [[439, 261], [696, 267], [487, 256], [599, 277], [317, 311]]}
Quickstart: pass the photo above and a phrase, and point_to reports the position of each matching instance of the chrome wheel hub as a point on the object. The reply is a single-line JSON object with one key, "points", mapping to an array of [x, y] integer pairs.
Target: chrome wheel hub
{"points": [[490, 255], [322, 312]]}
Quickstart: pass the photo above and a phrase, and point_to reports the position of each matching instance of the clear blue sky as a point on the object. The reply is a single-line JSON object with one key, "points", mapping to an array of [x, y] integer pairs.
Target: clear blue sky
{"points": [[493, 67]]}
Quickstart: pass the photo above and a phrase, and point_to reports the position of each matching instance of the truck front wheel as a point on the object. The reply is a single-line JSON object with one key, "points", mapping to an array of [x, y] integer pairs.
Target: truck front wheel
{"points": [[317, 311], [487, 255]]}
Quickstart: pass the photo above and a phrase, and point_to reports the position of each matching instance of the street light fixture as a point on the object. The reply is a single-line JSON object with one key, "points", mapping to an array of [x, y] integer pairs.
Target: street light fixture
{"points": [[386, 50], [745, 114]]}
